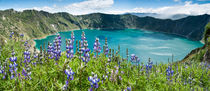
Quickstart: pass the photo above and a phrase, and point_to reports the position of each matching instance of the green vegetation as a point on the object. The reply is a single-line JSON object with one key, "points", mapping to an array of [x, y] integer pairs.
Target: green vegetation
{"points": [[35, 24], [190, 74], [48, 76]]}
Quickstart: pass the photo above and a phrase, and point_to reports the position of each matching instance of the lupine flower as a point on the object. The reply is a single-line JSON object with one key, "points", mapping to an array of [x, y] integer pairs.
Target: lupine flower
{"points": [[13, 58], [129, 88], [22, 35], [57, 48], [69, 73], [27, 55], [27, 73], [35, 56], [149, 66], [26, 43], [106, 47], [72, 36], [83, 39], [104, 78], [134, 58], [65, 87], [11, 34], [93, 80], [2, 71], [114, 74], [97, 48], [13, 69], [50, 50], [70, 76], [110, 57], [69, 49], [169, 73], [86, 55], [13, 65]]}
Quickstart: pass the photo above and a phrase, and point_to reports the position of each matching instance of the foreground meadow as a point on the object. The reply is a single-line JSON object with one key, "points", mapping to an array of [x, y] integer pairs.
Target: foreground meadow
{"points": [[24, 68]]}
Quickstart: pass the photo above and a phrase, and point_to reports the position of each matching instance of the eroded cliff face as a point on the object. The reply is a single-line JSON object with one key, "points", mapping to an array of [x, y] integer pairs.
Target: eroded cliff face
{"points": [[201, 54], [36, 24]]}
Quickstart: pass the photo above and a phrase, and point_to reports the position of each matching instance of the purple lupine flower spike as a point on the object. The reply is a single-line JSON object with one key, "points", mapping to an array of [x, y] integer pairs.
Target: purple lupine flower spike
{"points": [[27, 54], [72, 36], [50, 51], [169, 73], [57, 48], [97, 48], [13, 65], [69, 72], [69, 49], [94, 80], [86, 55]]}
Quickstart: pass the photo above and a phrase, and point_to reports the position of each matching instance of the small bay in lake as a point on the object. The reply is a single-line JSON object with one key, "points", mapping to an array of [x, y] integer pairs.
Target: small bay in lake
{"points": [[145, 44]]}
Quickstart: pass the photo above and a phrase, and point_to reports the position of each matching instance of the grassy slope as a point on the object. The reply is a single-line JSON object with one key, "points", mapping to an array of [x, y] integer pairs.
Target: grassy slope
{"points": [[35, 24], [48, 76], [198, 54]]}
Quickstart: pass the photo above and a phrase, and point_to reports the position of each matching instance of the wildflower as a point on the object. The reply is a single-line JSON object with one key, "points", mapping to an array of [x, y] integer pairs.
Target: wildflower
{"points": [[128, 89], [27, 73], [70, 76], [13, 58], [104, 78], [57, 48], [97, 48], [149, 66], [13, 65], [26, 43], [169, 73], [86, 56], [93, 81], [50, 50], [2, 71], [22, 35], [27, 54], [134, 58], [72, 36], [83, 39], [11, 34], [69, 73], [65, 87], [69, 49], [13, 69], [106, 47]]}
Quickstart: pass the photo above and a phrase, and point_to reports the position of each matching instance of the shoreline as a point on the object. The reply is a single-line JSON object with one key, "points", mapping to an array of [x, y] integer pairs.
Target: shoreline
{"points": [[45, 36]]}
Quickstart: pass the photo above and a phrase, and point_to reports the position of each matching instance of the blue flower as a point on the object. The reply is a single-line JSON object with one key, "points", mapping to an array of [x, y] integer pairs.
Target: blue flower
{"points": [[169, 73], [94, 80], [97, 48], [69, 49], [69, 73]]}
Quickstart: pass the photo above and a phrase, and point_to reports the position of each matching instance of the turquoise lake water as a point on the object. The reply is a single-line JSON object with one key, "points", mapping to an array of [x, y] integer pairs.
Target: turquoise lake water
{"points": [[157, 46]]}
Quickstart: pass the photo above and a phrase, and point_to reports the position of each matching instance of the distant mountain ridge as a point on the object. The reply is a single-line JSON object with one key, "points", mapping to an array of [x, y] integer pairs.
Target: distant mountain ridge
{"points": [[36, 24], [161, 16]]}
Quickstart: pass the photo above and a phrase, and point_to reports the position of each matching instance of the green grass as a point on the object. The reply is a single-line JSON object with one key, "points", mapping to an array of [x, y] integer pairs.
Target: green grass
{"points": [[48, 76]]}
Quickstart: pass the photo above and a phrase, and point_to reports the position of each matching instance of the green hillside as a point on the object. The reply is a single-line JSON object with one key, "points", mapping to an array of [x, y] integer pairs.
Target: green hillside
{"points": [[201, 54], [35, 24]]}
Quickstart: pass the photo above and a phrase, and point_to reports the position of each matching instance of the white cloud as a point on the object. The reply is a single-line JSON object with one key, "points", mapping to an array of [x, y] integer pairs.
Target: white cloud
{"points": [[187, 8], [89, 6], [177, 0], [105, 6]]}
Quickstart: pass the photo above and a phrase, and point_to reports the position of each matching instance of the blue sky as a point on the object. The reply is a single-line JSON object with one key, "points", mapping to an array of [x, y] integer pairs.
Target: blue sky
{"points": [[78, 7]]}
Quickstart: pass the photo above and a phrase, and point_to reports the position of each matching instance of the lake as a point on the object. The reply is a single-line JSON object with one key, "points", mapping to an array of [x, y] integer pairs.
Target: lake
{"points": [[145, 44]]}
